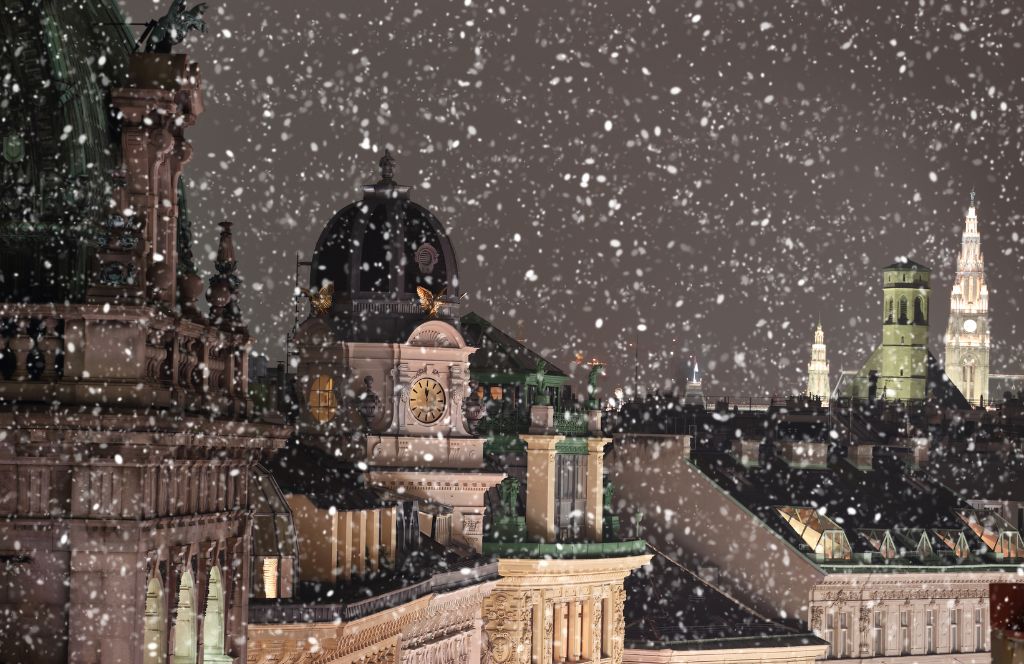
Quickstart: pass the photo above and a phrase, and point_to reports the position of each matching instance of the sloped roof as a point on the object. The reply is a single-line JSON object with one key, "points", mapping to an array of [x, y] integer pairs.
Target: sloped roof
{"points": [[321, 477], [670, 607], [500, 354]]}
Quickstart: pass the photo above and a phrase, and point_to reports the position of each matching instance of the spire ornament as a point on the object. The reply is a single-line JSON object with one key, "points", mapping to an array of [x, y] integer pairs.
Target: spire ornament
{"points": [[224, 285], [387, 168]]}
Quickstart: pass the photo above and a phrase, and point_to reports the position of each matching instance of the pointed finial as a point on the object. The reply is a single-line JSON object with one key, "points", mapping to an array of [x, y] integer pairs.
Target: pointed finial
{"points": [[972, 196], [387, 167]]}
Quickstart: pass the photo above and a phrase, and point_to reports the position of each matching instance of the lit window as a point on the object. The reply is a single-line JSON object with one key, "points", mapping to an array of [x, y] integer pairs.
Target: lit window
{"points": [[322, 400], [270, 578], [497, 392]]}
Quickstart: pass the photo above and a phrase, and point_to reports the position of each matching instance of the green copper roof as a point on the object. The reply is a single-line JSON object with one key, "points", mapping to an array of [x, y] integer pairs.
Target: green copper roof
{"points": [[58, 62]]}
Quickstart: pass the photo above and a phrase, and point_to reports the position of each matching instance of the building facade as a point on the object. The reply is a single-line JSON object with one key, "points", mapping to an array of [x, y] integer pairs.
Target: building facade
{"points": [[968, 340], [127, 438]]}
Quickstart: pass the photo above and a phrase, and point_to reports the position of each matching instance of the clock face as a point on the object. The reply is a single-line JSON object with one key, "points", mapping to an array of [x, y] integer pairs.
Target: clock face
{"points": [[427, 400], [970, 325]]}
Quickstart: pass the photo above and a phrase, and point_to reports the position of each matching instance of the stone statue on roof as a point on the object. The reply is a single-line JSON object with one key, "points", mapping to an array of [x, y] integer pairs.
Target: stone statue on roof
{"points": [[596, 371], [163, 33], [541, 398], [508, 490]]}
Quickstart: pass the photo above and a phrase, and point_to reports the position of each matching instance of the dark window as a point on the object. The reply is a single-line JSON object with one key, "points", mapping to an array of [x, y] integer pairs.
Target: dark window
{"points": [[919, 317], [903, 311]]}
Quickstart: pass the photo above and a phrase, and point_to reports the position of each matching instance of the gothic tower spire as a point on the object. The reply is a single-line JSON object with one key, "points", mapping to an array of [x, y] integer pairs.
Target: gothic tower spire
{"points": [[967, 335], [817, 370]]}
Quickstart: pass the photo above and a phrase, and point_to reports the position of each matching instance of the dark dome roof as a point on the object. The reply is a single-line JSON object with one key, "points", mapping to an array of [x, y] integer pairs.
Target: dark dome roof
{"points": [[376, 253], [59, 61]]}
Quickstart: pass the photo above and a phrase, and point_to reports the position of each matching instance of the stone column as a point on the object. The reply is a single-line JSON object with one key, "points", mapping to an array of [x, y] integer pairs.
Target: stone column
{"points": [[540, 487], [573, 630], [389, 534], [373, 526], [595, 488], [345, 544]]}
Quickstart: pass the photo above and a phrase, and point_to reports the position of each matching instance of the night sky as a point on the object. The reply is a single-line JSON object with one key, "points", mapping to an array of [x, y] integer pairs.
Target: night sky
{"points": [[710, 177]]}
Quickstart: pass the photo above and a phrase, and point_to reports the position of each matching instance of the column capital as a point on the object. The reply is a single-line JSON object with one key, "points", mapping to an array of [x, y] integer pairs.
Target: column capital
{"points": [[541, 442]]}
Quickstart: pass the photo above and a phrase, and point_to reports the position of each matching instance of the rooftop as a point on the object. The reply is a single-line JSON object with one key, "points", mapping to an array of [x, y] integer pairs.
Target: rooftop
{"points": [[843, 515]]}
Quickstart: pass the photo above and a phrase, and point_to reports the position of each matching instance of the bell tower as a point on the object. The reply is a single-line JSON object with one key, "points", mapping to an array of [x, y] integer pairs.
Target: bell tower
{"points": [[817, 370], [967, 335]]}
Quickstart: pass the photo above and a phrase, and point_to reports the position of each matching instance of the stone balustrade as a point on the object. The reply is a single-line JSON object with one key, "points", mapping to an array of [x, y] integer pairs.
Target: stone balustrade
{"points": [[130, 356]]}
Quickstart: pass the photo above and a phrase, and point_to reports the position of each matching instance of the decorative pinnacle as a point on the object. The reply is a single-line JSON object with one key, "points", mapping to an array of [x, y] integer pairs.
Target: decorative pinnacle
{"points": [[387, 168], [972, 196]]}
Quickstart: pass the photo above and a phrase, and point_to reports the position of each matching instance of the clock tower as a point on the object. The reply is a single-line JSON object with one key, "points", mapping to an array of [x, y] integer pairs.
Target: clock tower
{"points": [[967, 336], [382, 368]]}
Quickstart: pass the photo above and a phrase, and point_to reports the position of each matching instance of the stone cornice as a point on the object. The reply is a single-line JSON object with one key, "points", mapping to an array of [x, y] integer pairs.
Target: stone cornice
{"points": [[437, 479], [541, 442], [516, 571]]}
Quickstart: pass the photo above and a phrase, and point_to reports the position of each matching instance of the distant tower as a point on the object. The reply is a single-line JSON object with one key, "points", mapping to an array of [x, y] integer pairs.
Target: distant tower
{"points": [[899, 367], [967, 336], [817, 371], [694, 395]]}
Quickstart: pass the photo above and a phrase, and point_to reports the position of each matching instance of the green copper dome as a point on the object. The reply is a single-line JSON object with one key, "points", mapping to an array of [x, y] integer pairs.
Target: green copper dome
{"points": [[58, 62]]}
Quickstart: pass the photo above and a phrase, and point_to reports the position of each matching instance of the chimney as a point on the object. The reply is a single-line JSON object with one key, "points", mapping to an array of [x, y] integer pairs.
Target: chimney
{"points": [[803, 454]]}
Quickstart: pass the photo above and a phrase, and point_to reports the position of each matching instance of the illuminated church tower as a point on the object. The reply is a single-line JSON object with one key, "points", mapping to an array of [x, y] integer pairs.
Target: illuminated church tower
{"points": [[817, 370], [967, 336]]}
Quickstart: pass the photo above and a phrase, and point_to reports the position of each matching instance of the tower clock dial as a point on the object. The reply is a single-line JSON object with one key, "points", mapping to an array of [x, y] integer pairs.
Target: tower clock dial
{"points": [[427, 400], [970, 325]]}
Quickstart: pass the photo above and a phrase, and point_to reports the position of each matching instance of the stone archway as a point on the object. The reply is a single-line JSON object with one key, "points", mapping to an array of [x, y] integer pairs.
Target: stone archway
{"points": [[154, 635], [184, 639], [213, 621]]}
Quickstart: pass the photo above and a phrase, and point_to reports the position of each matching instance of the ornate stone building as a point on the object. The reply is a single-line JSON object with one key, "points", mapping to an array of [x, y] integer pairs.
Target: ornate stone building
{"points": [[818, 384], [968, 340], [126, 438], [392, 483]]}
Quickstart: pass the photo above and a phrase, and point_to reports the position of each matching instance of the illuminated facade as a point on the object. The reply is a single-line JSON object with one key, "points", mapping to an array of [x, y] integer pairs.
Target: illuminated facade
{"points": [[817, 370], [902, 368], [968, 341]]}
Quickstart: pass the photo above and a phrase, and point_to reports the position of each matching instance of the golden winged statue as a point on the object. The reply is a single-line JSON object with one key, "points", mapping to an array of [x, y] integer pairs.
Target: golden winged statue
{"points": [[431, 302], [319, 302]]}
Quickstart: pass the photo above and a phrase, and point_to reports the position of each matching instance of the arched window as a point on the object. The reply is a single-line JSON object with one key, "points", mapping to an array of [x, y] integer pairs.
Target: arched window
{"points": [[920, 314], [903, 311], [184, 640], [154, 634], [213, 622], [323, 402], [888, 310]]}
